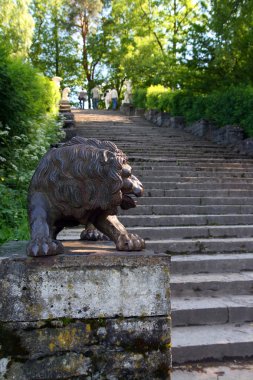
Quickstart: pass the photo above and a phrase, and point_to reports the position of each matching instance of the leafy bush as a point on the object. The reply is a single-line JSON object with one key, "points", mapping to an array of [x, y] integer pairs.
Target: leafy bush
{"points": [[14, 181], [25, 94], [28, 124], [191, 106], [165, 101], [139, 97], [153, 96], [14, 225], [232, 105]]}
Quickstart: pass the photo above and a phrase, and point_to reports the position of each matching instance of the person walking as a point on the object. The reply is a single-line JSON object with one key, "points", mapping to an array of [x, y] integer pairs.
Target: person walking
{"points": [[108, 99], [82, 97], [114, 96], [95, 97]]}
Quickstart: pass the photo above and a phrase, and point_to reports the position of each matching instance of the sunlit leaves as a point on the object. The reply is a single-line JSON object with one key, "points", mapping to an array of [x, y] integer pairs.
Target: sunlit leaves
{"points": [[16, 25]]}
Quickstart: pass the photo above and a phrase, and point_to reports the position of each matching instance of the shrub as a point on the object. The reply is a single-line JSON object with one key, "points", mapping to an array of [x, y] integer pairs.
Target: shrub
{"points": [[28, 124], [165, 101], [25, 94], [153, 96], [232, 105], [139, 97]]}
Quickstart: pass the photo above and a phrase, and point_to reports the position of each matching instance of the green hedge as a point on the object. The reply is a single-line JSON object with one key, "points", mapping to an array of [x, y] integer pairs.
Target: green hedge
{"points": [[232, 105], [140, 97], [28, 124]]}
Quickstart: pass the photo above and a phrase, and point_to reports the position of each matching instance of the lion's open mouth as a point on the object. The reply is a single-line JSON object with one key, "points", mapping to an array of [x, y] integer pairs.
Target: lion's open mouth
{"points": [[127, 202]]}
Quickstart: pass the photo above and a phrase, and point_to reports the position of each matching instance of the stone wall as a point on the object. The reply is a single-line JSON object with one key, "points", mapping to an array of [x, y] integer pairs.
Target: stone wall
{"points": [[92, 313], [232, 135]]}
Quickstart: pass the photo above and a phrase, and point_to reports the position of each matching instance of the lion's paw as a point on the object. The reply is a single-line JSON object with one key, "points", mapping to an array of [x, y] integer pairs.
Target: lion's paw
{"points": [[44, 247], [92, 235], [130, 242]]}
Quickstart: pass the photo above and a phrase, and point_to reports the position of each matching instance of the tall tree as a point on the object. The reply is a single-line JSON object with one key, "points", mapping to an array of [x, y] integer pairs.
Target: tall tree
{"points": [[153, 37], [84, 17], [232, 24], [16, 26], [54, 51]]}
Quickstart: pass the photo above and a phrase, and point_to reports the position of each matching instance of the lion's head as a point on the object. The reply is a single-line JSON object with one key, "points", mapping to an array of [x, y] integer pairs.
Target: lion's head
{"points": [[86, 174]]}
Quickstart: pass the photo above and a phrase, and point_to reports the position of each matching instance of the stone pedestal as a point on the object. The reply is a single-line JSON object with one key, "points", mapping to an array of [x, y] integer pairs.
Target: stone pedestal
{"points": [[127, 109], [65, 106], [92, 313]]}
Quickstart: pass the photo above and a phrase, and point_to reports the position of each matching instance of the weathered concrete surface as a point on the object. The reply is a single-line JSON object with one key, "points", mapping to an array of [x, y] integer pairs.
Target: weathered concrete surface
{"points": [[215, 371], [76, 285], [92, 313]]}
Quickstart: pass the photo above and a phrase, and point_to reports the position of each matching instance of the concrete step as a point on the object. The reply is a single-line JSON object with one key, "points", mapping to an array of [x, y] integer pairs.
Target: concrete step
{"points": [[200, 164], [193, 311], [195, 179], [189, 232], [211, 284], [195, 168], [194, 173], [193, 232], [215, 263], [201, 246], [198, 343], [198, 199], [184, 220], [195, 200], [149, 185], [189, 209], [188, 193]]}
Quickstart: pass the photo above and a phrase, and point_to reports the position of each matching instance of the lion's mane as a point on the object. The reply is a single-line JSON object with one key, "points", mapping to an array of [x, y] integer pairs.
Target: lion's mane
{"points": [[84, 174]]}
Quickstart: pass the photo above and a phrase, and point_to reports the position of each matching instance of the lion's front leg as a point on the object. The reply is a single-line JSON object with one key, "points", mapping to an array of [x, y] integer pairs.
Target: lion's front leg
{"points": [[111, 226], [41, 243]]}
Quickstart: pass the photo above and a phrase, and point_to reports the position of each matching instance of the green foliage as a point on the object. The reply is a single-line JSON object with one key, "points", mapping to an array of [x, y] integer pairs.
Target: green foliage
{"points": [[139, 97], [22, 154], [13, 214], [55, 51], [16, 26], [164, 101], [25, 94], [233, 105], [154, 94], [191, 106], [28, 104]]}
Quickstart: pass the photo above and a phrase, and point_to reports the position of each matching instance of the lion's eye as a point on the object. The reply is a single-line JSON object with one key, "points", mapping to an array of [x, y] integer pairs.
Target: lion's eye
{"points": [[126, 171]]}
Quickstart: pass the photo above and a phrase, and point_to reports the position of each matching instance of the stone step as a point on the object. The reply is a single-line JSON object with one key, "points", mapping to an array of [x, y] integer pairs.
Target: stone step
{"points": [[200, 163], [198, 201], [198, 207], [184, 220], [191, 174], [201, 246], [218, 263], [198, 343], [193, 232], [196, 179], [190, 232], [211, 284], [189, 209], [195, 311], [188, 193], [172, 168], [197, 186]]}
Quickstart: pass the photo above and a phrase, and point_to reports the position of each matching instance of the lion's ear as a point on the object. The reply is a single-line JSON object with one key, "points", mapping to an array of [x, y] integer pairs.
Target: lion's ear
{"points": [[107, 156]]}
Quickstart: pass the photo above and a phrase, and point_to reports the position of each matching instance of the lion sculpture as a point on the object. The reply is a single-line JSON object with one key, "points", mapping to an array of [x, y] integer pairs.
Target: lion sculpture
{"points": [[82, 181]]}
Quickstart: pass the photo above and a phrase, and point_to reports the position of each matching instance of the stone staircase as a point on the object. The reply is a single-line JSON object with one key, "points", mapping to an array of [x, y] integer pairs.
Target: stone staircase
{"points": [[198, 207]]}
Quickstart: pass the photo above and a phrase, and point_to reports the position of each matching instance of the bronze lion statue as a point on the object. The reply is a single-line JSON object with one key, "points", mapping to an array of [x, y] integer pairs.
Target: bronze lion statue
{"points": [[82, 181]]}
